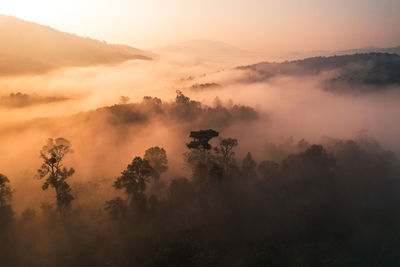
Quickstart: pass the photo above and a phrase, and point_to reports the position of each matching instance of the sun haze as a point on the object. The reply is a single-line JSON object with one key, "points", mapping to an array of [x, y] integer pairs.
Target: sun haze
{"points": [[199, 133], [260, 25]]}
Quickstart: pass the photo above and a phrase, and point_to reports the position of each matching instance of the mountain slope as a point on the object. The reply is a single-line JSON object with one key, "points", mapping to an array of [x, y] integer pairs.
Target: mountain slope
{"points": [[213, 51], [372, 49], [374, 69], [28, 47], [362, 50]]}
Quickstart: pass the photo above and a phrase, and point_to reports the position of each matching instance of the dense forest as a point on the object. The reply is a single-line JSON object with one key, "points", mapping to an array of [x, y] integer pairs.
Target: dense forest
{"points": [[376, 70], [330, 204], [271, 140]]}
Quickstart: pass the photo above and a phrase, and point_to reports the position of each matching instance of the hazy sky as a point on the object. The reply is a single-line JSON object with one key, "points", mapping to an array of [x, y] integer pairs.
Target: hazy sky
{"points": [[261, 25]]}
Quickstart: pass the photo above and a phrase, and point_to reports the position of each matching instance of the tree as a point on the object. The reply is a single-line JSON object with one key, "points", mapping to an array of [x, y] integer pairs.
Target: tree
{"points": [[133, 180], [7, 238], [55, 173], [184, 108], [249, 166], [157, 158], [6, 212], [116, 207], [314, 163], [5, 191], [198, 156], [182, 192], [201, 139], [181, 98], [200, 145], [225, 149]]}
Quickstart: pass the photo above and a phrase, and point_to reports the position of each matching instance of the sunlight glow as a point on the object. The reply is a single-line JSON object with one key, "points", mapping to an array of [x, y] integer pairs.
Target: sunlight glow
{"points": [[250, 24]]}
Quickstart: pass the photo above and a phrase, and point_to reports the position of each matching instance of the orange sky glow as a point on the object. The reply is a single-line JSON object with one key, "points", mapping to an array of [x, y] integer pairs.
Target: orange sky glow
{"points": [[256, 25]]}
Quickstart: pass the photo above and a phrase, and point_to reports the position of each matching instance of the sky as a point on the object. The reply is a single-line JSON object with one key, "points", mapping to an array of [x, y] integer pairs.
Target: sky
{"points": [[276, 26]]}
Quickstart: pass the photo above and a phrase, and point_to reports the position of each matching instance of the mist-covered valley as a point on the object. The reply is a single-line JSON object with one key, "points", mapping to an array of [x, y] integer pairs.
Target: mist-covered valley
{"points": [[132, 158]]}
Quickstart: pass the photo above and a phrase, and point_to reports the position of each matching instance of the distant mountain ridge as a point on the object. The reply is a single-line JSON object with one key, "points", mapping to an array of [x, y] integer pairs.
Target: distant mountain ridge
{"points": [[27, 47], [201, 47], [362, 50], [373, 69], [208, 50], [372, 49]]}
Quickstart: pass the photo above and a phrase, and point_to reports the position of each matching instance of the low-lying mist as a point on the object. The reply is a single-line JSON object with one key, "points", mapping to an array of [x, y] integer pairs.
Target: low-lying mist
{"points": [[287, 107], [112, 114]]}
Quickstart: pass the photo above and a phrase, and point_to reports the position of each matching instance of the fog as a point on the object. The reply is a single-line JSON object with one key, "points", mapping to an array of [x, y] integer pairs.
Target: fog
{"points": [[111, 114], [288, 107]]}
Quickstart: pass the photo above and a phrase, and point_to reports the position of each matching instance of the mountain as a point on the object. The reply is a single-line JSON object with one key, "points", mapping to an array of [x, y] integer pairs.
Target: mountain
{"points": [[201, 47], [208, 50], [378, 70], [370, 49], [362, 50], [28, 47]]}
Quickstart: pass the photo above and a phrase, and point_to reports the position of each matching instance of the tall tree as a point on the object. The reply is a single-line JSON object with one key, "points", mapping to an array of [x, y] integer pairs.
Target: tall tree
{"points": [[225, 150], [198, 158], [157, 158], [7, 237], [55, 173], [249, 166], [201, 139], [6, 193], [133, 180], [200, 145], [116, 207]]}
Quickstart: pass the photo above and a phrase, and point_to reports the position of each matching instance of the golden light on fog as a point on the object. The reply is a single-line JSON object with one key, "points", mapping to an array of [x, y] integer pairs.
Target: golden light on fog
{"points": [[199, 136]]}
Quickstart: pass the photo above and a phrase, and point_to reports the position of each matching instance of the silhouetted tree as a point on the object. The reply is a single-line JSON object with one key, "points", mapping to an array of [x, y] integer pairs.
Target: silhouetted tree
{"points": [[314, 163], [184, 108], [200, 145], [181, 192], [225, 150], [133, 180], [249, 166], [55, 173], [6, 218], [116, 207], [198, 156], [152, 105], [157, 158], [201, 139], [181, 98], [6, 193], [331, 205]]}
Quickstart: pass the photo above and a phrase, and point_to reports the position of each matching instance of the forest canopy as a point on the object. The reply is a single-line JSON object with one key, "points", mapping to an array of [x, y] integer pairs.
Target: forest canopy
{"points": [[330, 204]]}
